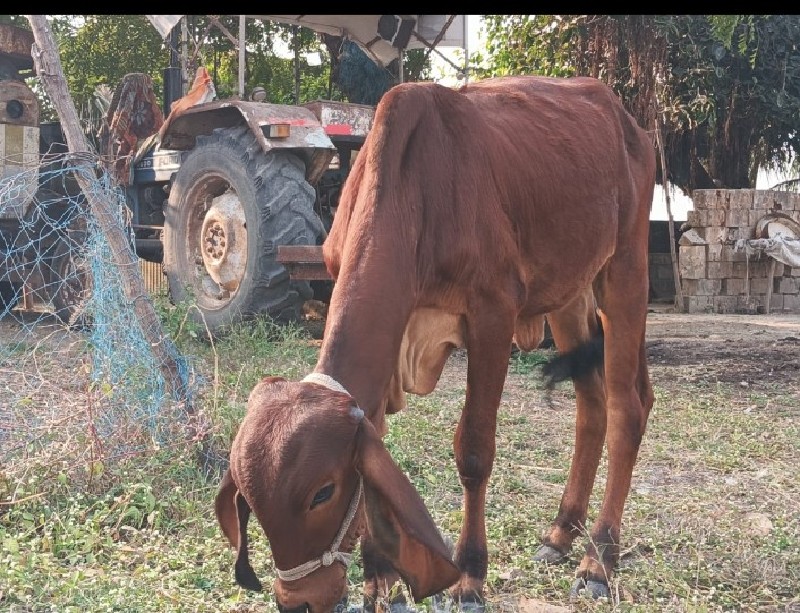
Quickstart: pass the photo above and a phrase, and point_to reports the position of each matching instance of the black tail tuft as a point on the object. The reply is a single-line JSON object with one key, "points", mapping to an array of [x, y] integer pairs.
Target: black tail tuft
{"points": [[574, 364]]}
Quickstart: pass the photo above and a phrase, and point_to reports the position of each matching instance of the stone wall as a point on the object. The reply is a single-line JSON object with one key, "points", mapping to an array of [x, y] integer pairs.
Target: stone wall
{"points": [[715, 277]]}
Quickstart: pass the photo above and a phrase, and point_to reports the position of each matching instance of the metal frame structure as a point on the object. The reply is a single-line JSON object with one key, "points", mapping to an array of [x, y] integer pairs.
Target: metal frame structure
{"points": [[383, 37]]}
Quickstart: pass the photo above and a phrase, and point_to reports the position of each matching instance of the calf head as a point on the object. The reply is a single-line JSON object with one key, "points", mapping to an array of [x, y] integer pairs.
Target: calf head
{"points": [[299, 462]]}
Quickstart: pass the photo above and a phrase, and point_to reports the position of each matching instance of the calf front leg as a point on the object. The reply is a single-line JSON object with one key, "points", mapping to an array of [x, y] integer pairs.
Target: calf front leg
{"points": [[489, 335], [382, 586], [382, 583]]}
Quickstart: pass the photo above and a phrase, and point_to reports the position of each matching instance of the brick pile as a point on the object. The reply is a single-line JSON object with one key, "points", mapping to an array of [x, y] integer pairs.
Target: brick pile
{"points": [[718, 278]]}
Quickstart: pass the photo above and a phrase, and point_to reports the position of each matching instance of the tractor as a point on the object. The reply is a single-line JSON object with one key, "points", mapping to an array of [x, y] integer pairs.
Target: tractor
{"points": [[40, 228], [234, 197]]}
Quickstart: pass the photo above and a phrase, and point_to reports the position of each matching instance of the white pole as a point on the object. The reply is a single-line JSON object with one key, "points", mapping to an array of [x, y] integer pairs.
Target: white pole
{"points": [[466, 50], [242, 19], [186, 78], [400, 73]]}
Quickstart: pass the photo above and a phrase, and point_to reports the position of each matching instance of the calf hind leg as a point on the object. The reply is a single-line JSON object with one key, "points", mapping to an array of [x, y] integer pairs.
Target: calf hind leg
{"points": [[629, 399], [576, 332]]}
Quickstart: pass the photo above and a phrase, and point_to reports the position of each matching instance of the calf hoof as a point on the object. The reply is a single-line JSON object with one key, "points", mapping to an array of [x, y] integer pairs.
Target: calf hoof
{"points": [[591, 588], [398, 605], [343, 606], [444, 603], [551, 555]]}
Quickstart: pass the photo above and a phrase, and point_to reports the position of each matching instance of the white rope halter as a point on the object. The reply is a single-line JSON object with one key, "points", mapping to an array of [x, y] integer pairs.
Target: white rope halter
{"points": [[332, 554]]}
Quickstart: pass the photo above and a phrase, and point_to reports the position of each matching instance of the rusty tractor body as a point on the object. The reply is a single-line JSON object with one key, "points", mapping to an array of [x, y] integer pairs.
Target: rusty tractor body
{"points": [[214, 192]]}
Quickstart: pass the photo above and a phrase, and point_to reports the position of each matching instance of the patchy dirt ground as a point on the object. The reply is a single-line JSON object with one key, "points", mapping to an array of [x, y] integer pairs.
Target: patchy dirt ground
{"points": [[754, 351], [757, 351], [693, 468]]}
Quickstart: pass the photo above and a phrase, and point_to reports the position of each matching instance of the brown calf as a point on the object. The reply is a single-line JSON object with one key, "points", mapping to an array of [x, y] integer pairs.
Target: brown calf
{"points": [[468, 216]]}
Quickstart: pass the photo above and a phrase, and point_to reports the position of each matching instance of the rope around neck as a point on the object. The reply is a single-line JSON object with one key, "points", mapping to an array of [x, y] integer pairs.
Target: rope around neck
{"points": [[333, 554]]}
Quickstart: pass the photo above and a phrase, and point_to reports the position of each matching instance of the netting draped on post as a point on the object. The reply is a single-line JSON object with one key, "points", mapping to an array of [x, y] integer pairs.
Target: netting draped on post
{"points": [[77, 369]]}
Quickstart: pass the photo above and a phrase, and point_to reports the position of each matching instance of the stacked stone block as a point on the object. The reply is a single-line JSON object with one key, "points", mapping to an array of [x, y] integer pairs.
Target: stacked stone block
{"points": [[715, 277]]}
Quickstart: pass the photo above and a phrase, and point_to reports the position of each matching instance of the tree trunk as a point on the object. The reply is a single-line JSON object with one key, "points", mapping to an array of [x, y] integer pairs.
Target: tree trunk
{"points": [[48, 67], [730, 158]]}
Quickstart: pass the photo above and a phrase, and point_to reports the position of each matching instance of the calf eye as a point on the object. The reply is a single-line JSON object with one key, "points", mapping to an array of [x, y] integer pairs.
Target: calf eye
{"points": [[322, 495]]}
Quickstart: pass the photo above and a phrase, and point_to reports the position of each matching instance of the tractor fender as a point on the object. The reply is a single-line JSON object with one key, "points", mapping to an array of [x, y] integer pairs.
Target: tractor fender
{"points": [[307, 136]]}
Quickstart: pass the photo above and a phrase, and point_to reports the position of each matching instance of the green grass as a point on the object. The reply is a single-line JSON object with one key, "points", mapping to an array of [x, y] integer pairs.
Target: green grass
{"points": [[528, 362], [711, 524]]}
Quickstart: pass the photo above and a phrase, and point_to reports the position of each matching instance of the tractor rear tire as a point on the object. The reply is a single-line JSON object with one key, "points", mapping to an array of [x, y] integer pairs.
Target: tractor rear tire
{"points": [[9, 296], [230, 206], [70, 285]]}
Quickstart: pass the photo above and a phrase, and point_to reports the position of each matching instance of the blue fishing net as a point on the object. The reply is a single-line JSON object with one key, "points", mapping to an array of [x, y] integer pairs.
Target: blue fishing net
{"points": [[75, 361]]}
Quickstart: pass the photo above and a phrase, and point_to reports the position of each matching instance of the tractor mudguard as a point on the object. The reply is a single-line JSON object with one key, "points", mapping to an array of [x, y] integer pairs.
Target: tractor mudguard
{"points": [[306, 134]]}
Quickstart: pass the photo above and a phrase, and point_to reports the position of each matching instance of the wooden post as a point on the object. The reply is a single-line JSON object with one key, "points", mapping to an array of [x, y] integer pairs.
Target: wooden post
{"points": [[242, 59], [48, 67], [747, 278], [296, 64], [770, 283], [676, 273]]}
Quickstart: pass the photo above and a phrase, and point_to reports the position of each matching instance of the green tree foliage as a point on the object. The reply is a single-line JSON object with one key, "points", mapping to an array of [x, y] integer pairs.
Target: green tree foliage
{"points": [[99, 50], [725, 89], [263, 67]]}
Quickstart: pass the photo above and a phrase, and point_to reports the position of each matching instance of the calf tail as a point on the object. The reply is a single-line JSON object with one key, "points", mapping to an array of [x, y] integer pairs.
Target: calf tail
{"points": [[576, 363]]}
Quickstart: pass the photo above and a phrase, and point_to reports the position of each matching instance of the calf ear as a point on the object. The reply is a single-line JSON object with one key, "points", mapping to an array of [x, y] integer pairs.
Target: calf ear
{"points": [[399, 522], [232, 514]]}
